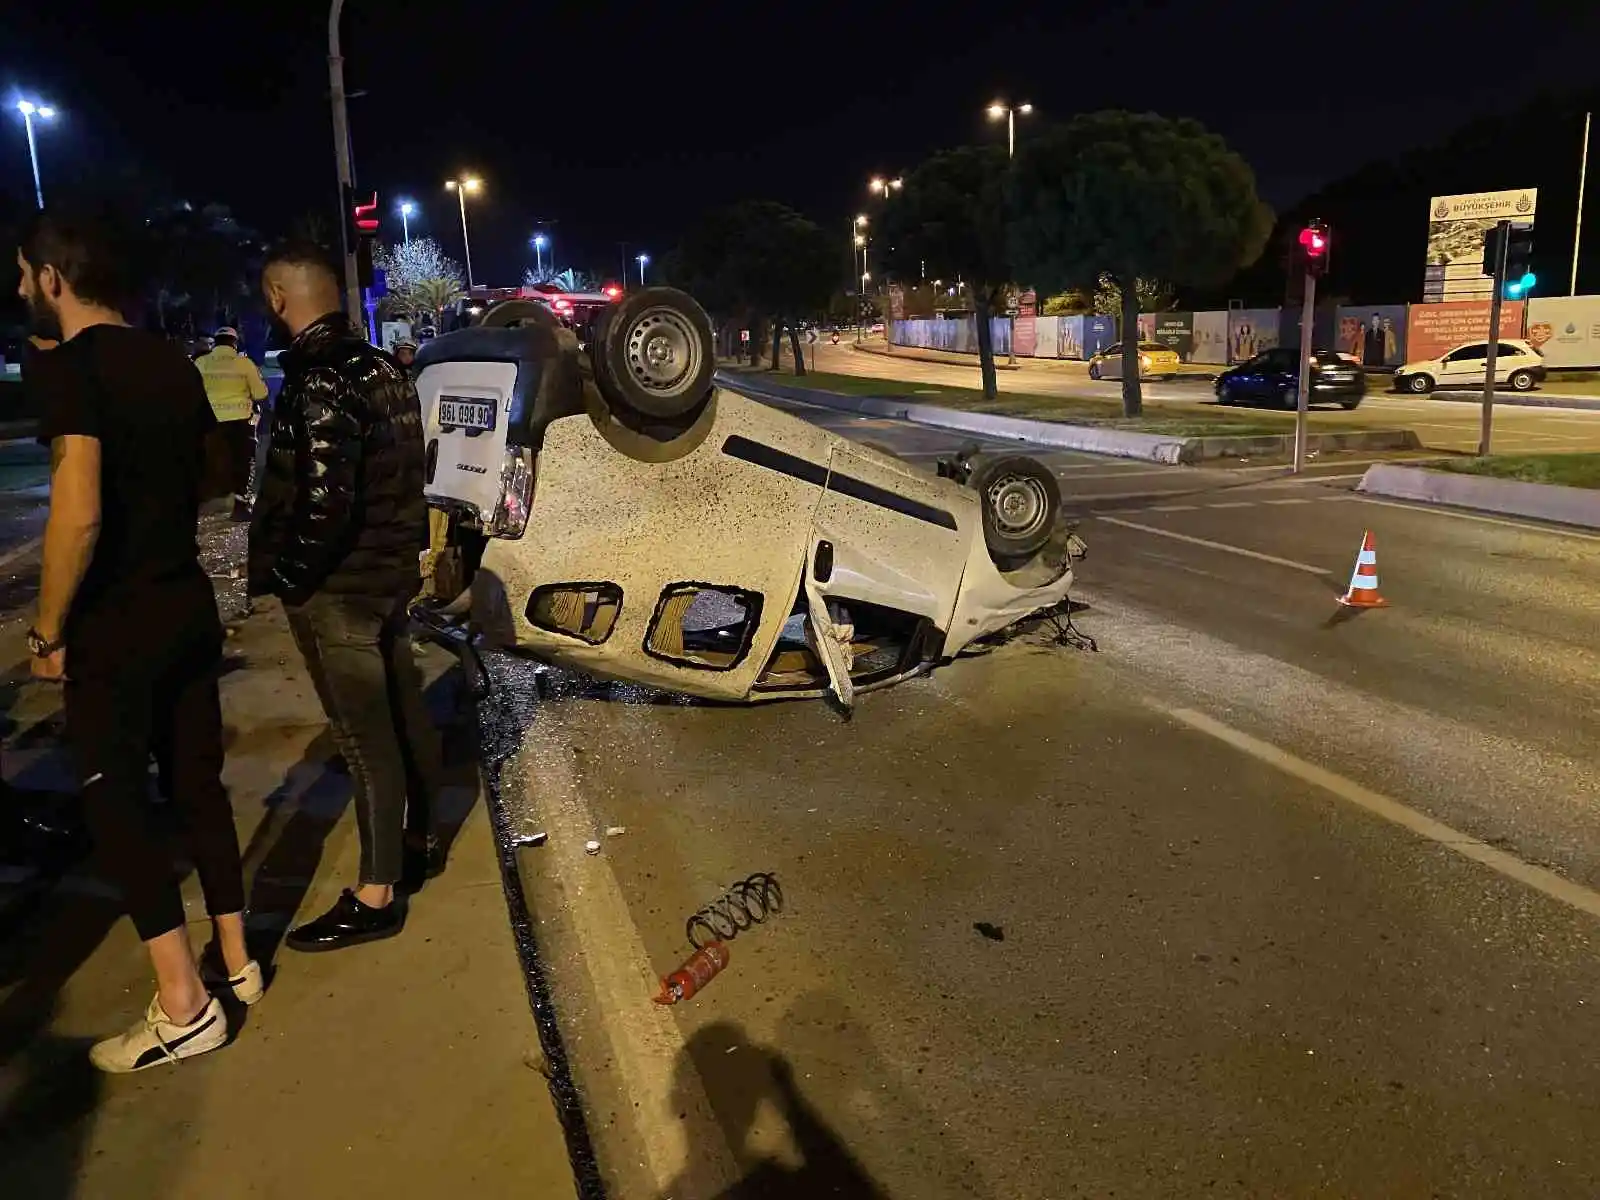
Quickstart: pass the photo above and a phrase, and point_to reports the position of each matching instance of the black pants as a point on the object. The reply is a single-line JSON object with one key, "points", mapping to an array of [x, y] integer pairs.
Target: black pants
{"points": [[359, 658], [240, 438], [143, 674]]}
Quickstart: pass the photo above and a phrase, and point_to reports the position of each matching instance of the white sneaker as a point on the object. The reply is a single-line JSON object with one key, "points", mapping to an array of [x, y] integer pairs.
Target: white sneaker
{"points": [[157, 1039], [248, 986]]}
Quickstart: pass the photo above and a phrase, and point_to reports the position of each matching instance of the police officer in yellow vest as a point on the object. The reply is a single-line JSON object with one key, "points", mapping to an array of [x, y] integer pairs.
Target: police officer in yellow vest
{"points": [[235, 388]]}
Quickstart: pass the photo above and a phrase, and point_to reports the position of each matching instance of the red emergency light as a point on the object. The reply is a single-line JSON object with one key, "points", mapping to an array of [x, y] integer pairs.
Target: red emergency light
{"points": [[612, 291]]}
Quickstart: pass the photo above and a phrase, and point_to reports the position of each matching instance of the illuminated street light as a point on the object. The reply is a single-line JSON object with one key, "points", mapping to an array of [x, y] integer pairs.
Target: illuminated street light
{"points": [[644, 261], [406, 209], [1000, 110], [540, 241], [29, 110], [461, 187], [885, 187]]}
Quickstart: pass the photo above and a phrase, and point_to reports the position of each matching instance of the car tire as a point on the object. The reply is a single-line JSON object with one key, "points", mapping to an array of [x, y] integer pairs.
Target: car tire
{"points": [[1350, 405], [1225, 396], [1419, 383], [1021, 501], [1521, 381], [510, 314], [653, 354], [1094, 370]]}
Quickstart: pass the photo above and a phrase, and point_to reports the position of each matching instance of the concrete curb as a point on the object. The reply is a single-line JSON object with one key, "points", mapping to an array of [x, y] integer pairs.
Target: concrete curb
{"points": [[1538, 501], [1169, 449], [1521, 399]]}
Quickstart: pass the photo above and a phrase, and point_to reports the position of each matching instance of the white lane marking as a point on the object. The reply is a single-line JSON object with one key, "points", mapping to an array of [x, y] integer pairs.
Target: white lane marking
{"points": [[1130, 473], [1290, 500], [22, 551], [1234, 504], [1541, 879], [1173, 507], [1431, 510], [646, 1044], [1210, 545]]}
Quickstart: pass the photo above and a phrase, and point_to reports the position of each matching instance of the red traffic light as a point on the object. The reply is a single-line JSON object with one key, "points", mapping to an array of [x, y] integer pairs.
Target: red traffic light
{"points": [[1314, 241], [366, 217]]}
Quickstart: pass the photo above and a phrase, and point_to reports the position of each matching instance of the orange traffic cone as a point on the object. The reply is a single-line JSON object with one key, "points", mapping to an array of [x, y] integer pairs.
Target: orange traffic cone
{"points": [[1363, 590]]}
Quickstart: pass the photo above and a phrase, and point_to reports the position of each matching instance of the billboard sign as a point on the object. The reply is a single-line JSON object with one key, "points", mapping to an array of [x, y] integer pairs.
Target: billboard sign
{"points": [[1026, 334], [1048, 338], [1175, 330], [1566, 330], [1456, 225], [1434, 330], [1099, 331]]}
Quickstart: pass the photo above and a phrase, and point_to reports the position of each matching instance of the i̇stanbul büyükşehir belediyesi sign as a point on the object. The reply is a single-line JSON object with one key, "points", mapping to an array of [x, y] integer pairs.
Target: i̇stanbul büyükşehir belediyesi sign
{"points": [[1456, 225]]}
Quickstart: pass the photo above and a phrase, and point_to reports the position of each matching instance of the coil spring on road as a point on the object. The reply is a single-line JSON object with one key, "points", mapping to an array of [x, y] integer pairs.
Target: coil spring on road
{"points": [[748, 902]]}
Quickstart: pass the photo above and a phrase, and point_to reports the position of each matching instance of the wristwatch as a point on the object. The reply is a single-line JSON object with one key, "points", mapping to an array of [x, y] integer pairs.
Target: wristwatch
{"points": [[41, 648]]}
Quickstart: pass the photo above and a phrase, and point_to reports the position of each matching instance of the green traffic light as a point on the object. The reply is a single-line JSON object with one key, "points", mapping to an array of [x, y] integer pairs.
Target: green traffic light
{"points": [[1520, 287]]}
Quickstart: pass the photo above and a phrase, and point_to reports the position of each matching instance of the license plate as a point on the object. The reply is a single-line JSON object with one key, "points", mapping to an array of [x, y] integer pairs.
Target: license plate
{"points": [[458, 413]]}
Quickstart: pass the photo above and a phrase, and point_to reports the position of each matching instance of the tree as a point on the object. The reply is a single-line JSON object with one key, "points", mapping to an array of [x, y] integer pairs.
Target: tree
{"points": [[420, 277], [568, 279], [951, 214], [1067, 304], [1132, 195], [759, 261], [1154, 295], [201, 260]]}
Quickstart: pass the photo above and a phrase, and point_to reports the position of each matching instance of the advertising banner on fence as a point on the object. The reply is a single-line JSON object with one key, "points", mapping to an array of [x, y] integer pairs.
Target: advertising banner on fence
{"points": [[1176, 329], [1375, 335], [1210, 337], [1250, 331], [1566, 330], [1098, 333], [1433, 330], [1069, 337], [1027, 327], [1047, 337], [1456, 225]]}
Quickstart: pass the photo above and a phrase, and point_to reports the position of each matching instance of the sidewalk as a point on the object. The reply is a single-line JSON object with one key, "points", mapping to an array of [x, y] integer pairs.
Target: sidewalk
{"points": [[406, 1068]]}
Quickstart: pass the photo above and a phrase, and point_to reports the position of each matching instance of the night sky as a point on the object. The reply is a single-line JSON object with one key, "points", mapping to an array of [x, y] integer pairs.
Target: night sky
{"points": [[624, 122]]}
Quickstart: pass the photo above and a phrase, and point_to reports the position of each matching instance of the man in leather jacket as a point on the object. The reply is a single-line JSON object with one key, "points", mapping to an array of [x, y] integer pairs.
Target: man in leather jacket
{"points": [[339, 524]]}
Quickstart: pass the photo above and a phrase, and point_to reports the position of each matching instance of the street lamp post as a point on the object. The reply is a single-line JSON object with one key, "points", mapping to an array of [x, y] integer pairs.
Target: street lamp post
{"points": [[342, 157], [998, 110], [540, 241], [643, 260], [406, 209], [461, 187], [885, 188], [29, 111]]}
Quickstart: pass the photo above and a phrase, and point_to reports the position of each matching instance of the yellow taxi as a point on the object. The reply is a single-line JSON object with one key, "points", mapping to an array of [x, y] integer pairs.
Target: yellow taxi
{"points": [[1155, 362]]}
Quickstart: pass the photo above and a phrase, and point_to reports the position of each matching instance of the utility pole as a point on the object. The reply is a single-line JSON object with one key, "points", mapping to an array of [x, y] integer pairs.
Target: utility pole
{"points": [[1577, 229], [341, 151], [1502, 239]]}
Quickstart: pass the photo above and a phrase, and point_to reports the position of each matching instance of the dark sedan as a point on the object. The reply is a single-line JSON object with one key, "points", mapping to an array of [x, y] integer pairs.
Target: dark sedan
{"points": [[1271, 380]]}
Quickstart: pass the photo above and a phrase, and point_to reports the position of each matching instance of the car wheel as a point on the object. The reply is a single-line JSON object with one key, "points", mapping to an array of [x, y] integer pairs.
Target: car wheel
{"points": [[510, 314], [1094, 370], [1420, 384], [1521, 381], [1021, 500], [1350, 405], [1225, 395], [653, 354]]}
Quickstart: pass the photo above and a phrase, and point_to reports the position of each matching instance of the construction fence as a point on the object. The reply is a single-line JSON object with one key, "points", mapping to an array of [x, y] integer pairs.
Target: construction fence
{"points": [[1565, 329]]}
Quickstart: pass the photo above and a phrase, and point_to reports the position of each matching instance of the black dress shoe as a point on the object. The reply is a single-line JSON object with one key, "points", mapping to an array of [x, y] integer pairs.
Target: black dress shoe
{"points": [[348, 923]]}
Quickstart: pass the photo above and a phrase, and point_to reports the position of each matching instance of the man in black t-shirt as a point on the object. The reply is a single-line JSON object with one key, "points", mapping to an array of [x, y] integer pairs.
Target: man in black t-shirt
{"points": [[128, 620]]}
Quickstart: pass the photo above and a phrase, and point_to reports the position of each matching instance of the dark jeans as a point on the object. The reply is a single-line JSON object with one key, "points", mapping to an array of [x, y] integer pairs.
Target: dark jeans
{"points": [[143, 677], [240, 437], [359, 658]]}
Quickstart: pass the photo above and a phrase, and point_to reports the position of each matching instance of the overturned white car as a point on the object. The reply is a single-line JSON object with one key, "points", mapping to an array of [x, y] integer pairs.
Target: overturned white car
{"points": [[612, 510]]}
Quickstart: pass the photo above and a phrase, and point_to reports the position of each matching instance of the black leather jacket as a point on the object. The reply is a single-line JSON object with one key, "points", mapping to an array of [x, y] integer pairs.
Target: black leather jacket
{"points": [[340, 508]]}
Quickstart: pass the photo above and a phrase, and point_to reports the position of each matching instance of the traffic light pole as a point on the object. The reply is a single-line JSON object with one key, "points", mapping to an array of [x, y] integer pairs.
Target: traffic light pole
{"points": [[1302, 400], [1494, 337], [341, 150]]}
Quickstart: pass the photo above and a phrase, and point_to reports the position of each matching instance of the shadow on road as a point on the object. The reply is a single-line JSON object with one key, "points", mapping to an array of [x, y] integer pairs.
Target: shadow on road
{"points": [[740, 1079]]}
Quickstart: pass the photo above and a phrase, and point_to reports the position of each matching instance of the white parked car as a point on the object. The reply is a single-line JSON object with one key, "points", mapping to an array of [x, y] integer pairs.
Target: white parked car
{"points": [[1517, 365], [614, 511]]}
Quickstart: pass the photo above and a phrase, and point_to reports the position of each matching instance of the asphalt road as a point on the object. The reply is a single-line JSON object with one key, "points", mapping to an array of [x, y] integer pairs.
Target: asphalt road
{"points": [[1290, 905], [1441, 424]]}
